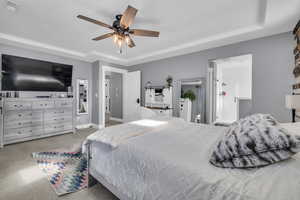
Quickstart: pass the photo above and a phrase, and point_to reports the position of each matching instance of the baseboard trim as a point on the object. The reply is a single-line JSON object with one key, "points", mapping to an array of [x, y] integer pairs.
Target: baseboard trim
{"points": [[116, 119]]}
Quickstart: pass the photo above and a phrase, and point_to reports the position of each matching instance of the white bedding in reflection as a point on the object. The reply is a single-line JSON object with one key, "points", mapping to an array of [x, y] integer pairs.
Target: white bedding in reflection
{"points": [[171, 163]]}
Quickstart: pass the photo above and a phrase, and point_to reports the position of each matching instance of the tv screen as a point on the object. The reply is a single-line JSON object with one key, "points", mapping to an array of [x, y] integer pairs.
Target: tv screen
{"points": [[24, 74]]}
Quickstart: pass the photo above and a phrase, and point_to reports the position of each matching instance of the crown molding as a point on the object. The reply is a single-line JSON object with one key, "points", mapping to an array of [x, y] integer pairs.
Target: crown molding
{"points": [[195, 46], [232, 37], [26, 43], [56, 50]]}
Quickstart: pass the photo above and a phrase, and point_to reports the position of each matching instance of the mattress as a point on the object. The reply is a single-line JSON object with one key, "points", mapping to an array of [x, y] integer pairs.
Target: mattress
{"points": [[173, 163]]}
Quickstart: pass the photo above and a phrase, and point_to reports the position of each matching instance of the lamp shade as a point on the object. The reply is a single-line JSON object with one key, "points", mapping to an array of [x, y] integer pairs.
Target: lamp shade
{"points": [[292, 101]]}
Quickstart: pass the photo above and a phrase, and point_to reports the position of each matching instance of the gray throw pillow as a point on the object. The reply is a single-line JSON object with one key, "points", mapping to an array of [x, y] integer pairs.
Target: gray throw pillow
{"points": [[254, 141]]}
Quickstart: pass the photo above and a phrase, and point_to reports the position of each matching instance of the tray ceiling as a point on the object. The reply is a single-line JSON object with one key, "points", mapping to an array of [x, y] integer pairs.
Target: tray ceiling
{"points": [[185, 26]]}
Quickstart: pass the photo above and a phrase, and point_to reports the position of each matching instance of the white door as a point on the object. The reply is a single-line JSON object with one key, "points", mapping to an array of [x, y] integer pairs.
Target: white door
{"points": [[233, 82], [132, 96], [226, 93]]}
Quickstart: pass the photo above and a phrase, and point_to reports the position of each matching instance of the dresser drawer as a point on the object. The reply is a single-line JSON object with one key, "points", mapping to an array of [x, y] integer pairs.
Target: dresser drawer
{"points": [[17, 105], [23, 124], [19, 133], [43, 104], [58, 112], [22, 115], [59, 120], [64, 103], [50, 128]]}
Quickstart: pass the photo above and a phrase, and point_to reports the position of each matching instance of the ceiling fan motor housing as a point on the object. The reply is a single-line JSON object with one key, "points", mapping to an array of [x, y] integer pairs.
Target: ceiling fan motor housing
{"points": [[117, 26]]}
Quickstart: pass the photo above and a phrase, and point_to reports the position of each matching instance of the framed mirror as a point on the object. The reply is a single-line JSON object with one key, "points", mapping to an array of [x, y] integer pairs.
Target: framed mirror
{"points": [[192, 99], [82, 97]]}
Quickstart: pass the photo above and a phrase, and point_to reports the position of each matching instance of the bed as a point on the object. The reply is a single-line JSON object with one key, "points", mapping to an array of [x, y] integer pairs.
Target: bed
{"points": [[169, 160]]}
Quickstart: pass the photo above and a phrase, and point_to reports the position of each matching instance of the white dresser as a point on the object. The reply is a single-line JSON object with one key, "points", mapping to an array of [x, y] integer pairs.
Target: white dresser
{"points": [[159, 100], [31, 118]]}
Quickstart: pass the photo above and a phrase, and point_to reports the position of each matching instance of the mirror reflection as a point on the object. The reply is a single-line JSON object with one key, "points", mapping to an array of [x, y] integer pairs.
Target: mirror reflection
{"points": [[82, 97]]}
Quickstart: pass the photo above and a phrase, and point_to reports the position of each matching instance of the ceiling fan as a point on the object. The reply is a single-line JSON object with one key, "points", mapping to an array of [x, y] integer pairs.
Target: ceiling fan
{"points": [[121, 28]]}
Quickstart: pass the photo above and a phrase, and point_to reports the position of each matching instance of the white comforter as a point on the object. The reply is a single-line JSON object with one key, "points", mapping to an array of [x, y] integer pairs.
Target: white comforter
{"points": [[171, 163], [116, 135]]}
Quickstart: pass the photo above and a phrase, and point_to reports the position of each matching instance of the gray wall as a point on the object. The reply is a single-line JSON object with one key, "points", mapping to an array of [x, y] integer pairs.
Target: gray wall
{"points": [[116, 95], [82, 70], [272, 72]]}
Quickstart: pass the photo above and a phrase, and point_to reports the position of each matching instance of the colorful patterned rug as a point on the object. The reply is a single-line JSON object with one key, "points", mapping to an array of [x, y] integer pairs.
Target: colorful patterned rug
{"points": [[66, 171]]}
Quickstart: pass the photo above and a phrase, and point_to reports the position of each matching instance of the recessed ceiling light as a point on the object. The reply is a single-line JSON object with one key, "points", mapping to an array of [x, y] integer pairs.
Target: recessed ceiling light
{"points": [[11, 6]]}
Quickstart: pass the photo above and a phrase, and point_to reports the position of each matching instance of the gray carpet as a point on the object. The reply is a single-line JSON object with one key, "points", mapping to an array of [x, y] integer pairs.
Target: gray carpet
{"points": [[21, 179]]}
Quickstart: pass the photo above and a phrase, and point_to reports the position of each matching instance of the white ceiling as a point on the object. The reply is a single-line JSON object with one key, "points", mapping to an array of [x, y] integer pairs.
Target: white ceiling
{"points": [[185, 26]]}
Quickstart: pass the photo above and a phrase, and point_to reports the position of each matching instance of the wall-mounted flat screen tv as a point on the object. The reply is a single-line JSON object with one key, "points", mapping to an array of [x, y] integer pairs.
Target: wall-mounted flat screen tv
{"points": [[25, 74]]}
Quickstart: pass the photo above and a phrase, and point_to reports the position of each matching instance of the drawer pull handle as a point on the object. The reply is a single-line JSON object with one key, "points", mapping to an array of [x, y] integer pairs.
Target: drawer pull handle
{"points": [[19, 115], [19, 123]]}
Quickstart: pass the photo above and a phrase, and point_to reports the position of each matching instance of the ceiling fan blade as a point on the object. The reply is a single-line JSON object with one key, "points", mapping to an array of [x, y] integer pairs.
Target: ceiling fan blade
{"points": [[131, 43], [94, 21], [103, 36], [147, 33], [128, 16]]}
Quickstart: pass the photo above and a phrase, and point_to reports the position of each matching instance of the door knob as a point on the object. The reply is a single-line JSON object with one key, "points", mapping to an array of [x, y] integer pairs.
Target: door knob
{"points": [[138, 100]]}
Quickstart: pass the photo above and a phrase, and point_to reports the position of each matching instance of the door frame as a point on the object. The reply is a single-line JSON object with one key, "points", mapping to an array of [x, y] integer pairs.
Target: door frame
{"points": [[203, 101], [102, 71], [212, 77]]}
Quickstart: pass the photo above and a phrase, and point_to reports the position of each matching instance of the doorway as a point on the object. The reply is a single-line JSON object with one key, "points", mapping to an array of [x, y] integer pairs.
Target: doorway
{"points": [[232, 82], [113, 98], [192, 100], [119, 97]]}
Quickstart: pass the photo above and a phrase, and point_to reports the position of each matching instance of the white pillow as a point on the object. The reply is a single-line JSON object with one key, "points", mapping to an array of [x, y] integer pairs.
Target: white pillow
{"points": [[292, 128]]}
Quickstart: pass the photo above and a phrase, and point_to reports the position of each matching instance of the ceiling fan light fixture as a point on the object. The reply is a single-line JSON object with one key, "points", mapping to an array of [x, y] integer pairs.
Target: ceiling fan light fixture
{"points": [[120, 43], [127, 39], [115, 38]]}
